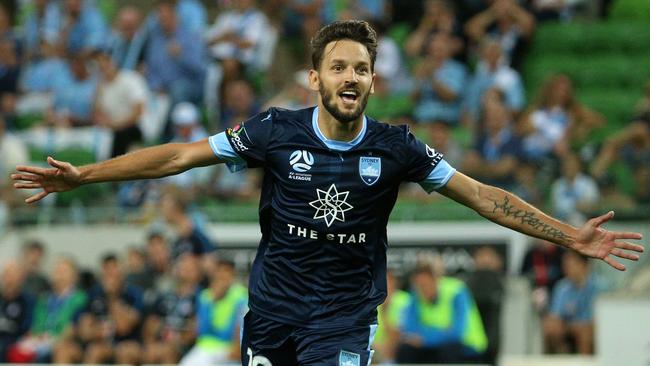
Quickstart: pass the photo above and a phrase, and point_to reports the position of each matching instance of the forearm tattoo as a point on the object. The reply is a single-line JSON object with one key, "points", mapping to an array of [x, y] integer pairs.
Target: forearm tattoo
{"points": [[528, 218]]}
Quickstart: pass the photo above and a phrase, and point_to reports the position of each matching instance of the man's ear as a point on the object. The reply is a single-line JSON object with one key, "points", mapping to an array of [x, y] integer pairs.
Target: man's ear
{"points": [[314, 80], [372, 84]]}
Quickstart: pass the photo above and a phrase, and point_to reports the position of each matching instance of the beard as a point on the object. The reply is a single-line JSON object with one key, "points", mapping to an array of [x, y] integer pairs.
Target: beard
{"points": [[343, 116]]}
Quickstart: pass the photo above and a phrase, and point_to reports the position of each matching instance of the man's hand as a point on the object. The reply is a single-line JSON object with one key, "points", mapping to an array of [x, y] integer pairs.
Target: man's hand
{"points": [[596, 242], [62, 177]]}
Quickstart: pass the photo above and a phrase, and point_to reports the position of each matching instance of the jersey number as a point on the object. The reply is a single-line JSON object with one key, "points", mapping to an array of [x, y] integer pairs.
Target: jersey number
{"points": [[257, 360]]}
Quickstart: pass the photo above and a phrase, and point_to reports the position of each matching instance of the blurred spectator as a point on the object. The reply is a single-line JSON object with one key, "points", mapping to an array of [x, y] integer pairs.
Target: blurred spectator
{"points": [[74, 95], [374, 11], [555, 122], [492, 72], [170, 330], [390, 315], [441, 139], [16, 307], [542, 265], [136, 268], [441, 323], [235, 36], [546, 10], [10, 57], [54, 315], [175, 59], [632, 146], [486, 284], [571, 316], [188, 128], [192, 15], [159, 265], [526, 184], [40, 76], [190, 236], [390, 65], [120, 103], [494, 157], [613, 198], [128, 39], [574, 193], [108, 329], [440, 84], [297, 94], [240, 102], [506, 22], [438, 17], [82, 27], [220, 312], [302, 18], [187, 123], [32, 255], [40, 27]]}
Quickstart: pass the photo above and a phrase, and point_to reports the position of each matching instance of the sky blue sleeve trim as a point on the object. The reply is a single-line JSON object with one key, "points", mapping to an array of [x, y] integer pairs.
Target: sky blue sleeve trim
{"points": [[438, 177], [222, 149]]}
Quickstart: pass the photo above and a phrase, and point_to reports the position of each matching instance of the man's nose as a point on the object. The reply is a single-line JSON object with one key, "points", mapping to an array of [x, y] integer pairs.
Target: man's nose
{"points": [[351, 76]]}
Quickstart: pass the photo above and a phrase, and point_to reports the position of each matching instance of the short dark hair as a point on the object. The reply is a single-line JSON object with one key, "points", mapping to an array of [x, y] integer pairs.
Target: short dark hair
{"points": [[33, 244], [354, 30], [109, 258]]}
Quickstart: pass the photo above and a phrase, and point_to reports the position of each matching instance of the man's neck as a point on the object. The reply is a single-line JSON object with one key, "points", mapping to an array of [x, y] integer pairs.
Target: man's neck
{"points": [[333, 129]]}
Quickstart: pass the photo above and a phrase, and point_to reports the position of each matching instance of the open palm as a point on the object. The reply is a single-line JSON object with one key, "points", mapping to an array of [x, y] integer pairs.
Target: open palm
{"points": [[596, 242], [61, 177]]}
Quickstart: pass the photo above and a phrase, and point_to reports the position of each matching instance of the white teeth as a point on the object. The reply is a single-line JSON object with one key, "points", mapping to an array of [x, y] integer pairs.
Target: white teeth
{"points": [[352, 94]]}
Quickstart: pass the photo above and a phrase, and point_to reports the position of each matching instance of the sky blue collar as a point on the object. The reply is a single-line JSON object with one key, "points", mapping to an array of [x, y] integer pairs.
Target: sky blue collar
{"points": [[334, 144]]}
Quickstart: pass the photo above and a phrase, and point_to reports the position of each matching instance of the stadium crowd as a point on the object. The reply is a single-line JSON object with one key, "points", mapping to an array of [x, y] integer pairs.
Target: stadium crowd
{"points": [[111, 77]]}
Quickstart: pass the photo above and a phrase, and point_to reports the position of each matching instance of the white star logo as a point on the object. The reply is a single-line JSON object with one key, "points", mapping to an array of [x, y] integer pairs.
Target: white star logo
{"points": [[331, 205]]}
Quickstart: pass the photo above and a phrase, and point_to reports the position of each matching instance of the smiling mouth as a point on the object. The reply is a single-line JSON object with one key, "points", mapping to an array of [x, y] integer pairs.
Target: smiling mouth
{"points": [[349, 96]]}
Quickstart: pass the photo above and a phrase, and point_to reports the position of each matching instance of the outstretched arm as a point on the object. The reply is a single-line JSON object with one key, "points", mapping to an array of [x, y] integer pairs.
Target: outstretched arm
{"points": [[506, 209], [154, 162]]}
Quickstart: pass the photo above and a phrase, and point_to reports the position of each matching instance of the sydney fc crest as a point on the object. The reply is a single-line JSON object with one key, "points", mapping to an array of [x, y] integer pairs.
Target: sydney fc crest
{"points": [[349, 359], [369, 169]]}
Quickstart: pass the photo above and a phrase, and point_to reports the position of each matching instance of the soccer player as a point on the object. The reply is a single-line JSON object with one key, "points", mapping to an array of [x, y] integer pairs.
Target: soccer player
{"points": [[331, 177]]}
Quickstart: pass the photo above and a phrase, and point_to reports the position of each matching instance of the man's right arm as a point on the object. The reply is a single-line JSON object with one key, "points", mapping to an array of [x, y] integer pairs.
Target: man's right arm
{"points": [[153, 162]]}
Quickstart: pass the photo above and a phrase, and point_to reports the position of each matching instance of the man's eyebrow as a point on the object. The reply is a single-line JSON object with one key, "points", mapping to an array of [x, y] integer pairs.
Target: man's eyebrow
{"points": [[342, 61]]}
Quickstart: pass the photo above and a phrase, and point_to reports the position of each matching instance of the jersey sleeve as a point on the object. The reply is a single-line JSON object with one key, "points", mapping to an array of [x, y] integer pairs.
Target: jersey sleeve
{"points": [[425, 165], [245, 144]]}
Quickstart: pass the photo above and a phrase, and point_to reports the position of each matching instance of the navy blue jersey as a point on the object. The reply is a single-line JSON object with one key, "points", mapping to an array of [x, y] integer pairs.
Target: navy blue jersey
{"points": [[323, 213]]}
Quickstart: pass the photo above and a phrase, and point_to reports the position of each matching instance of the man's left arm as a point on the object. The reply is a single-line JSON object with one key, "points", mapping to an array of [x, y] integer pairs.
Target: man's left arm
{"points": [[506, 209]]}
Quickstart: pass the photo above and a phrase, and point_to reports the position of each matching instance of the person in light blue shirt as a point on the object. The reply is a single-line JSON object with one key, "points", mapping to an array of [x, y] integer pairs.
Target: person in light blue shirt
{"points": [[79, 26], [41, 24], [491, 72], [41, 76], [192, 14], [441, 82], [128, 39], [571, 314], [87, 27], [74, 95], [175, 58]]}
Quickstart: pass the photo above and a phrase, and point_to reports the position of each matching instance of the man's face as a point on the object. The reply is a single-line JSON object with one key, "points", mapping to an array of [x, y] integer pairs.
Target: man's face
{"points": [[167, 18], [344, 79], [426, 285]]}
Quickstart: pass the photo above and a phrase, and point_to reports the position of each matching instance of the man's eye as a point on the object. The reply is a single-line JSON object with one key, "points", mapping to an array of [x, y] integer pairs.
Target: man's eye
{"points": [[337, 68]]}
